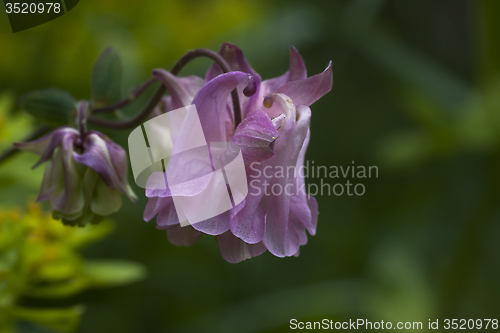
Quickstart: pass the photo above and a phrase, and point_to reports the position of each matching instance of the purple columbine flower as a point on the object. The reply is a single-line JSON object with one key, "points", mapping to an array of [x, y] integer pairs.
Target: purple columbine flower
{"points": [[84, 176], [274, 134]]}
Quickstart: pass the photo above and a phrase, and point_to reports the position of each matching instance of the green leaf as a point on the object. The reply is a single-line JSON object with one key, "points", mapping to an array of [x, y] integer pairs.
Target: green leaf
{"points": [[51, 106], [57, 270], [59, 290], [104, 273], [61, 319], [107, 78]]}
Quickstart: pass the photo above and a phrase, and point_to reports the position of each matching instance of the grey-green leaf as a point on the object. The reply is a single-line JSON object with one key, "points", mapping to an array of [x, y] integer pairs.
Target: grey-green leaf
{"points": [[107, 78], [107, 273], [51, 106]]}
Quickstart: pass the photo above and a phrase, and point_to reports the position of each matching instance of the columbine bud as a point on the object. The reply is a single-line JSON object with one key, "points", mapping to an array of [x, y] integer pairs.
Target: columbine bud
{"points": [[84, 176]]}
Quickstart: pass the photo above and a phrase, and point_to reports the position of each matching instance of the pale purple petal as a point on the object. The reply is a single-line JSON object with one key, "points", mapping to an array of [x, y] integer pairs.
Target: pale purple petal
{"points": [[45, 146], [213, 226], [250, 222], [237, 62], [66, 133], [296, 232], [38, 146], [299, 201], [108, 159], [157, 186], [164, 208], [308, 91], [182, 236], [234, 250], [255, 136], [167, 215], [259, 181], [66, 193], [276, 237], [152, 208], [313, 206], [247, 220], [296, 72], [211, 103], [182, 89]]}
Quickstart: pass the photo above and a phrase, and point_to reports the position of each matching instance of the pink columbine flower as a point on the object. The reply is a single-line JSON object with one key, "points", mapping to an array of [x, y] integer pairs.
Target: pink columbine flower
{"points": [[84, 176], [274, 133]]}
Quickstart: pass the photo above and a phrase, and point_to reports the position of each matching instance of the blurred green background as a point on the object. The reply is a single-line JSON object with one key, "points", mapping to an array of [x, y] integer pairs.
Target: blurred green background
{"points": [[416, 92]]}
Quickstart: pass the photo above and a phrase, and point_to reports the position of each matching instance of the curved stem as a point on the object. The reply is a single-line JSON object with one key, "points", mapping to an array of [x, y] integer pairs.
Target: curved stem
{"points": [[35, 135], [133, 122], [124, 102], [191, 55], [179, 65]]}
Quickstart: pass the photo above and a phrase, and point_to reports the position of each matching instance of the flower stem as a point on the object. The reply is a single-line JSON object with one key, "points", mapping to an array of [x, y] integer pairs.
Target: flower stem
{"points": [[124, 102], [179, 65], [83, 109], [133, 122], [35, 135]]}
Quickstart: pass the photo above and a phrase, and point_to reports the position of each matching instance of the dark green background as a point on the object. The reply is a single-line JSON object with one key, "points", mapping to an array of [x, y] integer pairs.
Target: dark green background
{"points": [[416, 92]]}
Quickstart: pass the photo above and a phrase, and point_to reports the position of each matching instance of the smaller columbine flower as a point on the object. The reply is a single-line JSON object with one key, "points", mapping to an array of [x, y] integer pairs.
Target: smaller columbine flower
{"points": [[84, 176]]}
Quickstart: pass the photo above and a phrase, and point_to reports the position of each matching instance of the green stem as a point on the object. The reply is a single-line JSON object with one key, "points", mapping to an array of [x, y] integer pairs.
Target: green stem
{"points": [[124, 102]]}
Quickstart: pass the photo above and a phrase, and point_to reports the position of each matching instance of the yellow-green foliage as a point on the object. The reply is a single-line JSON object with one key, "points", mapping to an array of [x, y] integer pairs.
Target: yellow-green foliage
{"points": [[39, 258]]}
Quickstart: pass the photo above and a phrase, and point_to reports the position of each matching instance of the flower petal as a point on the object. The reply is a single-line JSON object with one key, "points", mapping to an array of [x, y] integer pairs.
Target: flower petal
{"points": [[211, 103], [167, 215], [313, 206], [38, 146], [66, 192], [105, 200], [46, 145], [213, 226], [43, 194], [182, 89], [308, 91], [255, 136], [182, 236], [234, 250], [152, 208], [164, 208], [108, 159], [296, 231], [276, 238], [299, 199], [157, 185], [237, 62], [296, 72], [250, 223]]}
